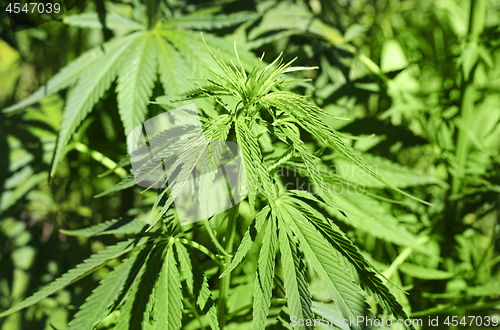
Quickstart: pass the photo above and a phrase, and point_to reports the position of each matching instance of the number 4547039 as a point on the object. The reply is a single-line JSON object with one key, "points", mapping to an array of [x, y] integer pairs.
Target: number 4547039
{"points": [[472, 320], [33, 7]]}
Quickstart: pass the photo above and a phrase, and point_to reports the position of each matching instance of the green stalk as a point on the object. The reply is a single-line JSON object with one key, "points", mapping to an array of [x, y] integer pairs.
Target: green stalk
{"points": [[402, 257], [226, 280], [476, 27], [110, 164], [336, 39]]}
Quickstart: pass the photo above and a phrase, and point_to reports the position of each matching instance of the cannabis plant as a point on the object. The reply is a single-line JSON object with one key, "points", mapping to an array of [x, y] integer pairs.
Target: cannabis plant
{"points": [[411, 86], [149, 49], [163, 263]]}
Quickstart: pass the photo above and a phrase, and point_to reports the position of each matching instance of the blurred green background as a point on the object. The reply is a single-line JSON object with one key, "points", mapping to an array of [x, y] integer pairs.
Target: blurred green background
{"points": [[417, 82]]}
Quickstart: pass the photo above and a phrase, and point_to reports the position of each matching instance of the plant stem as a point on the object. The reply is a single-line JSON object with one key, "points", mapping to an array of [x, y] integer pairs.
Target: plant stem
{"points": [[96, 155], [476, 26], [201, 248], [152, 10], [226, 280]]}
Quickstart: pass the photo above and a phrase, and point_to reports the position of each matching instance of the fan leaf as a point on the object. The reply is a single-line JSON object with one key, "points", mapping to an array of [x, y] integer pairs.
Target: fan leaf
{"points": [[328, 264], [248, 239], [173, 68], [263, 286], [205, 22], [197, 285], [65, 77], [90, 88], [113, 22], [138, 289]]}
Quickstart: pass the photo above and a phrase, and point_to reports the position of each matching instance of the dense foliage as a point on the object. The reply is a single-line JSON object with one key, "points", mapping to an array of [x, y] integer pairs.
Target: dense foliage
{"points": [[370, 136]]}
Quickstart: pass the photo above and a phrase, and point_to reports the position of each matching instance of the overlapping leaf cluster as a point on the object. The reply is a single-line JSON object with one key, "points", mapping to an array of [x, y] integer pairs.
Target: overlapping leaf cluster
{"points": [[291, 224], [166, 51], [146, 288]]}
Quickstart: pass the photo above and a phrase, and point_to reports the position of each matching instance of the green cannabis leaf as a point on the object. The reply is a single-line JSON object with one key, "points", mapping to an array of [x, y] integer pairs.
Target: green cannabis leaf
{"points": [[366, 139], [257, 93], [133, 59], [147, 287]]}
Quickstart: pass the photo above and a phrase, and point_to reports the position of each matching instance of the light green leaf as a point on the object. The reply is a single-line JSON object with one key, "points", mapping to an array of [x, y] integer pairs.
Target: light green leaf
{"points": [[393, 57], [206, 22], [328, 264], [308, 158], [10, 197], [63, 78], [353, 260], [133, 303], [173, 68], [257, 175], [400, 176], [250, 168], [354, 31], [487, 290], [306, 115], [424, 273], [468, 59], [297, 19], [331, 313], [248, 239], [211, 163], [368, 216], [265, 274], [195, 279], [113, 22], [185, 265]]}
